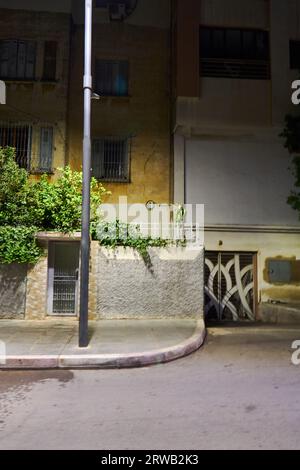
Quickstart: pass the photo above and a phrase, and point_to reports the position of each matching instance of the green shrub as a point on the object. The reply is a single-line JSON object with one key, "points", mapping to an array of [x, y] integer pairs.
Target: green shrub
{"points": [[18, 245], [29, 206]]}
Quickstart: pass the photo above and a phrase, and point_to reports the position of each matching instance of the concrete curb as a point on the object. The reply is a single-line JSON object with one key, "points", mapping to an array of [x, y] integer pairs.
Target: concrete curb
{"points": [[109, 361]]}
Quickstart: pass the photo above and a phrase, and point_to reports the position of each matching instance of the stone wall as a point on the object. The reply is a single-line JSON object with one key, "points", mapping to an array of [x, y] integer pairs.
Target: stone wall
{"points": [[12, 290], [122, 285], [170, 286]]}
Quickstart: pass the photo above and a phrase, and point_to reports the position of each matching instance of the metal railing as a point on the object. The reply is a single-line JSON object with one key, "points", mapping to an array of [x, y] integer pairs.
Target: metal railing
{"points": [[232, 68]]}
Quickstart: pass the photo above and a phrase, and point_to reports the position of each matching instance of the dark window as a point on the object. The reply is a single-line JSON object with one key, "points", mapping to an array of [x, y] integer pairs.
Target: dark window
{"points": [[18, 136], [295, 55], [50, 53], [234, 53], [111, 158], [46, 149], [112, 77], [17, 59]]}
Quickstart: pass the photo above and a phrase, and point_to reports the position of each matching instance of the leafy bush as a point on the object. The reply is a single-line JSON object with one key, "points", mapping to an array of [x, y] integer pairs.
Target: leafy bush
{"points": [[18, 245], [18, 199], [60, 202], [29, 206]]}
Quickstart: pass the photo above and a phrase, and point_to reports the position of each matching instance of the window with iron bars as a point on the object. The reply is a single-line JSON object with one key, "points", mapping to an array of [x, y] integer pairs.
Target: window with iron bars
{"points": [[17, 59], [33, 145], [111, 159]]}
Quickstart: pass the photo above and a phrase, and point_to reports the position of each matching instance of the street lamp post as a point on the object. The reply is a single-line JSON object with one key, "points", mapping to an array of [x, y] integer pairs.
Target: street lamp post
{"points": [[86, 167]]}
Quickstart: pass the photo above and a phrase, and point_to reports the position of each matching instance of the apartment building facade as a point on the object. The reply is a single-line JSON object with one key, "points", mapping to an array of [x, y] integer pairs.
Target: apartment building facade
{"points": [[193, 96], [34, 63], [234, 65], [41, 61]]}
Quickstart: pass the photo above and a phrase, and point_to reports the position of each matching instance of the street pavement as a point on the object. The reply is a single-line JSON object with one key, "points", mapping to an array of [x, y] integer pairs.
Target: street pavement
{"points": [[239, 391]]}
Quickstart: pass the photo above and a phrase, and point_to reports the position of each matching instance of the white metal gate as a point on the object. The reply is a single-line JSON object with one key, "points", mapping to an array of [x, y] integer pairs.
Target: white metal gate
{"points": [[63, 273], [230, 286]]}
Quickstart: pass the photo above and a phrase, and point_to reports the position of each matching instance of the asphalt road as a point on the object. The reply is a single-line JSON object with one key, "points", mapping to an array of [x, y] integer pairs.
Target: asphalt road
{"points": [[240, 391]]}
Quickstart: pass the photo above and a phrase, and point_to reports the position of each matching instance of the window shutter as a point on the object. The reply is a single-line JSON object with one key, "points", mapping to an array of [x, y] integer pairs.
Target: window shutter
{"points": [[98, 159], [46, 148], [30, 59], [50, 57], [4, 56], [12, 59], [21, 60]]}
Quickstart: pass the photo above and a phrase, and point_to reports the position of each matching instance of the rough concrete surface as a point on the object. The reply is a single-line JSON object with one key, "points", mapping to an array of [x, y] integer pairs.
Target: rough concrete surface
{"points": [[165, 287], [238, 392], [12, 290]]}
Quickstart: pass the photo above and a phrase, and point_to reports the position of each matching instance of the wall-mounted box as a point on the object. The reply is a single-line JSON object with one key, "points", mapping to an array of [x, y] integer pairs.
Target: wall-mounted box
{"points": [[280, 271]]}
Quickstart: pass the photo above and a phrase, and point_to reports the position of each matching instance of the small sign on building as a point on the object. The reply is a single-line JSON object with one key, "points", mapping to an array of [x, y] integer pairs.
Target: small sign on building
{"points": [[2, 92]]}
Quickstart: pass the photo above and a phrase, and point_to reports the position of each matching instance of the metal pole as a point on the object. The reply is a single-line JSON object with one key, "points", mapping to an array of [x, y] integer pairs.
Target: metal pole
{"points": [[86, 166]]}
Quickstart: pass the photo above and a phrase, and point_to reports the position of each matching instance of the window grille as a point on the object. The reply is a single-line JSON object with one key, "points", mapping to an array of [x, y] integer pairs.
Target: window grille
{"points": [[18, 136], [111, 159], [17, 59], [33, 144]]}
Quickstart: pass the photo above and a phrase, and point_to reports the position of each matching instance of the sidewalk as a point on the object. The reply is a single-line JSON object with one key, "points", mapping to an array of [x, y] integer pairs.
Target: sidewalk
{"points": [[113, 344]]}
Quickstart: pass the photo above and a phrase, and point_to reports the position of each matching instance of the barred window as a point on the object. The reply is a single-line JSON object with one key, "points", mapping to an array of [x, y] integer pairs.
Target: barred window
{"points": [[17, 59], [112, 77], [111, 159], [33, 145], [234, 53], [18, 136]]}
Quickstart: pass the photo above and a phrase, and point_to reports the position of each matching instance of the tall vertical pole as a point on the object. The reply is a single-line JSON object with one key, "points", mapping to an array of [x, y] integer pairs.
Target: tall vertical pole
{"points": [[86, 196]]}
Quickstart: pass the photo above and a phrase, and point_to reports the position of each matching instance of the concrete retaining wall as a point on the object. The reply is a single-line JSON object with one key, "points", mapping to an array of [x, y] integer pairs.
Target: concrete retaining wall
{"points": [[170, 286], [12, 290]]}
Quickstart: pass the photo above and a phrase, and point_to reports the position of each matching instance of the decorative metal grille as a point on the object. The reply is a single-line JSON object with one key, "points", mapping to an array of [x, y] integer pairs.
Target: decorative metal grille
{"points": [[229, 286]]}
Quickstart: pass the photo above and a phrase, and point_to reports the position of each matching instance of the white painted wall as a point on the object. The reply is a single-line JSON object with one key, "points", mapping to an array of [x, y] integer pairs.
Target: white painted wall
{"points": [[241, 181]]}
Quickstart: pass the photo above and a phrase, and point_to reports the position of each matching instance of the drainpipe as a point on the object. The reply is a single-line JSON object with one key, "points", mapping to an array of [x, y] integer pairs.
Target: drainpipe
{"points": [[86, 196]]}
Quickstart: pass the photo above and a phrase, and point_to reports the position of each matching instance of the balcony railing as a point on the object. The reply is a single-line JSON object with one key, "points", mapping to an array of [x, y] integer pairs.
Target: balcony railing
{"points": [[232, 68]]}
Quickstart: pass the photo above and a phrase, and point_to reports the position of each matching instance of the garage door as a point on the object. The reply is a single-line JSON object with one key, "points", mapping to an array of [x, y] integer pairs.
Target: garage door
{"points": [[230, 286]]}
